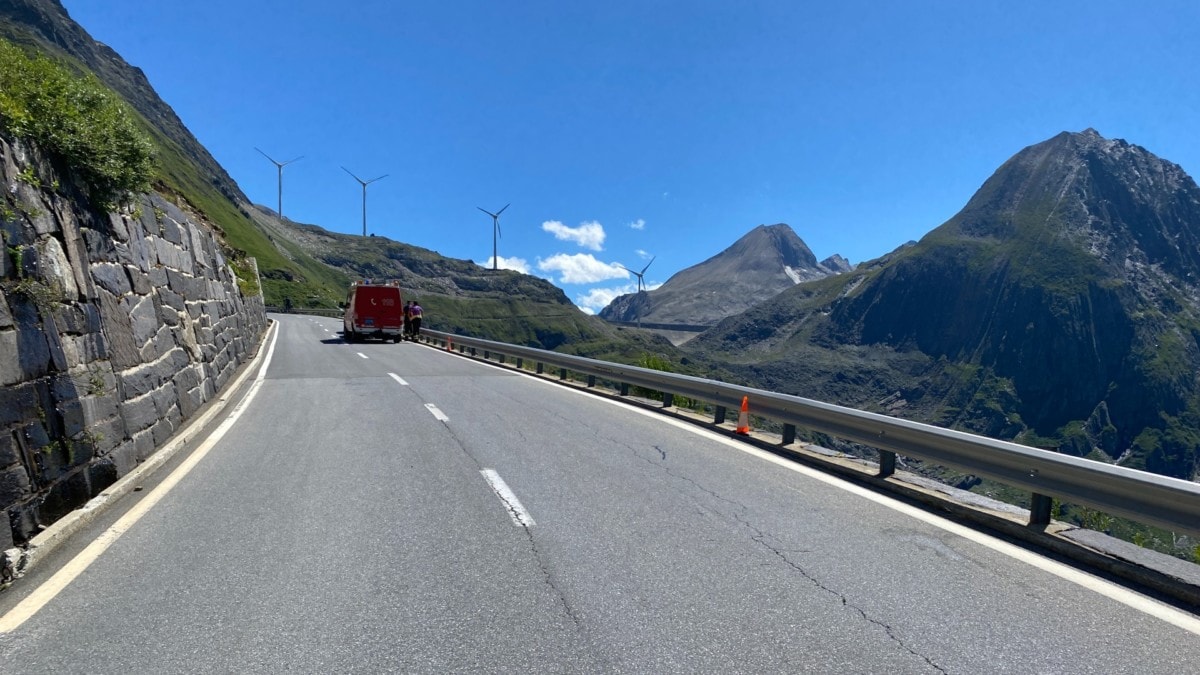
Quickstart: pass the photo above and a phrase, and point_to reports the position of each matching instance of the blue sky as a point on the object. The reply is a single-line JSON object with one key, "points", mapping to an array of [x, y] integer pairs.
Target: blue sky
{"points": [[622, 130]]}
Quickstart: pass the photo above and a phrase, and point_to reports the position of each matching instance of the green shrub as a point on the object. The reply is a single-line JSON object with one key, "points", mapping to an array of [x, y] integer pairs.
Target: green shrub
{"points": [[77, 120]]}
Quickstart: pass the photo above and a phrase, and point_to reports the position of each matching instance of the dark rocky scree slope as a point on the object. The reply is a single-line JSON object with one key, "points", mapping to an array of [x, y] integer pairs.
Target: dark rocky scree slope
{"points": [[1060, 307], [764, 262]]}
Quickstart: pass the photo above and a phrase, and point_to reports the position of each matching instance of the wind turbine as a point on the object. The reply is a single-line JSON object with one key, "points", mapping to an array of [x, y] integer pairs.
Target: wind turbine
{"points": [[639, 275], [495, 232], [641, 284], [365, 183], [279, 166]]}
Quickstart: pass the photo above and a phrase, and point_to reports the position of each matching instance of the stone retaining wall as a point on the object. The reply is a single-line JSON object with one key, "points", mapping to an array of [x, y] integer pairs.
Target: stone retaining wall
{"points": [[114, 329]]}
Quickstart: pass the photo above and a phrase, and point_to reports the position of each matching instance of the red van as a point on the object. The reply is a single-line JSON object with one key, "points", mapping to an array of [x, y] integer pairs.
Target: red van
{"points": [[373, 310]]}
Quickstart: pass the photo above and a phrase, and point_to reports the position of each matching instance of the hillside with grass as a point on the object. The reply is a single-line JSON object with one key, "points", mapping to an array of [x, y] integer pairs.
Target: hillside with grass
{"points": [[182, 169], [303, 265]]}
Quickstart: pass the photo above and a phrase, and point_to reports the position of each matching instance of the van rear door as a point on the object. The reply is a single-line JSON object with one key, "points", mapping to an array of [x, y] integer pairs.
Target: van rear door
{"points": [[378, 308]]}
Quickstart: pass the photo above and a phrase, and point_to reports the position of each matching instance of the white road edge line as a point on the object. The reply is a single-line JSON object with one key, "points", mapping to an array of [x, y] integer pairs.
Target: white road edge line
{"points": [[437, 413], [1110, 590], [516, 511], [398, 379], [56, 583], [362, 354]]}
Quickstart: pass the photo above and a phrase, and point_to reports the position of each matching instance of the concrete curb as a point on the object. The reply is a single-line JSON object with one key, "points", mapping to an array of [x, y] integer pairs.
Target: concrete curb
{"points": [[20, 561]]}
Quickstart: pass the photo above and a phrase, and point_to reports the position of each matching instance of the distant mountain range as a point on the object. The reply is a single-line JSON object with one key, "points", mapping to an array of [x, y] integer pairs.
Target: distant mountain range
{"points": [[764, 262], [1060, 307]]}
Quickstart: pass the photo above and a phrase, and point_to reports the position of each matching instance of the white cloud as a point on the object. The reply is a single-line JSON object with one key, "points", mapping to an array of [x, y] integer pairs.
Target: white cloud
{"points": [[638, 224], [588, 235], [597, 299], [581, 268], [642, 254], [516, 264]]}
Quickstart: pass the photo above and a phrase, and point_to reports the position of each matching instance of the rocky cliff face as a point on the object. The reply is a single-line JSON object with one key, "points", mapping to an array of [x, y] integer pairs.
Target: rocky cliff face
{"points": [[764, 262], [114, 329], [1061, 307]]}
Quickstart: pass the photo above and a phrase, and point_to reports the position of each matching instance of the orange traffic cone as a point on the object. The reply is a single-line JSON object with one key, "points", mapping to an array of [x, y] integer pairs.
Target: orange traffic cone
{"points": [[743, 426]]}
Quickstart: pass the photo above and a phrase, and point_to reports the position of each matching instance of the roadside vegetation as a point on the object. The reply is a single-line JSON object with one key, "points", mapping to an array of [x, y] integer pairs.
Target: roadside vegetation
{"points": [[57, 104], [78, 121]]}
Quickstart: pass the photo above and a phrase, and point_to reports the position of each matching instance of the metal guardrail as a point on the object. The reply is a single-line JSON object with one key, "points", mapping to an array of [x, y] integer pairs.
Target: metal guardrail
{"points": [[1139, 495]]}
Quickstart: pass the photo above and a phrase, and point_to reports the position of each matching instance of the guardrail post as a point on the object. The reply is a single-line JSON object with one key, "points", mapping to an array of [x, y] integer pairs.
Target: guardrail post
{"points": [[541, 368], [1039, 509], [789, 434], [486, 355], [668, 399], [719, 415], [562, 373], [500, 358], [887, 463], [591, 381], [520, 363], [473, 351], [624, 388]]}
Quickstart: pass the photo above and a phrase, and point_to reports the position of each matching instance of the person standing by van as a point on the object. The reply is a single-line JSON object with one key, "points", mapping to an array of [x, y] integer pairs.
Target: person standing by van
{"points": [[415, 321], [408, 319]]}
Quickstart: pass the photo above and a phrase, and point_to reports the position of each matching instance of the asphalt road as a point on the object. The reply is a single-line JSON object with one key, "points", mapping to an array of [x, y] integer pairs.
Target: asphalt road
{"points": [[346, 523]]}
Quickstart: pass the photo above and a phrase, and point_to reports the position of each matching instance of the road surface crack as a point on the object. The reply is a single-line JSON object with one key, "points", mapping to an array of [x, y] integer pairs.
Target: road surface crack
{"points": [[761, 538], [539, 560]]}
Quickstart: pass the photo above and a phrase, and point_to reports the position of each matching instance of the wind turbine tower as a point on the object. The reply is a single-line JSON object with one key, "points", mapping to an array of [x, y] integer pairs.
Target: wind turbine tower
{"points": [[365, 183], [641, 287], [279, 166], [495, 233]]}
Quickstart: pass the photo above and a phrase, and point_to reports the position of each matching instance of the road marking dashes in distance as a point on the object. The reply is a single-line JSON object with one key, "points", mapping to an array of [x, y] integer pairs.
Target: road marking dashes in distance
{"points": [[398, 379], [362, 355], [437, 413], [516, 511]]}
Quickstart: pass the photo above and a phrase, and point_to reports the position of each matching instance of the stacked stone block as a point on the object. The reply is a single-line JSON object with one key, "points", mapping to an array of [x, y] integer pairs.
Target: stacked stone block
{"points": [[114, 329]]}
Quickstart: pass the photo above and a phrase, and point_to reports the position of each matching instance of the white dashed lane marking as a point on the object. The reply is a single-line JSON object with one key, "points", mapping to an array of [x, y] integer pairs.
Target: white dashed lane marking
{"points": [[516, 511]]}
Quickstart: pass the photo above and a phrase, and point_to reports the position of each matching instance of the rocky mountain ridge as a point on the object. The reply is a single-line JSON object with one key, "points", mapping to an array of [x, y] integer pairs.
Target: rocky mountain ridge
{"points": [[762, 263], [1060, 307]]}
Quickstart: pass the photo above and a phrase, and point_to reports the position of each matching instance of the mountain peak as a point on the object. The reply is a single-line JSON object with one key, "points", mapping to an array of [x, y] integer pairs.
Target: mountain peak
{"points": [[1060, 303], [764, 261]]}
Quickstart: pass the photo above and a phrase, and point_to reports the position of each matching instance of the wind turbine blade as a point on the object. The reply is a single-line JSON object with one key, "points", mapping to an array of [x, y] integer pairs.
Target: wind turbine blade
{"points": [[266, 155], [625, 268], [498, 230], [352, 174], [502, 210], [380, 178], [293, 160], [487, 212], [648, 265]]}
